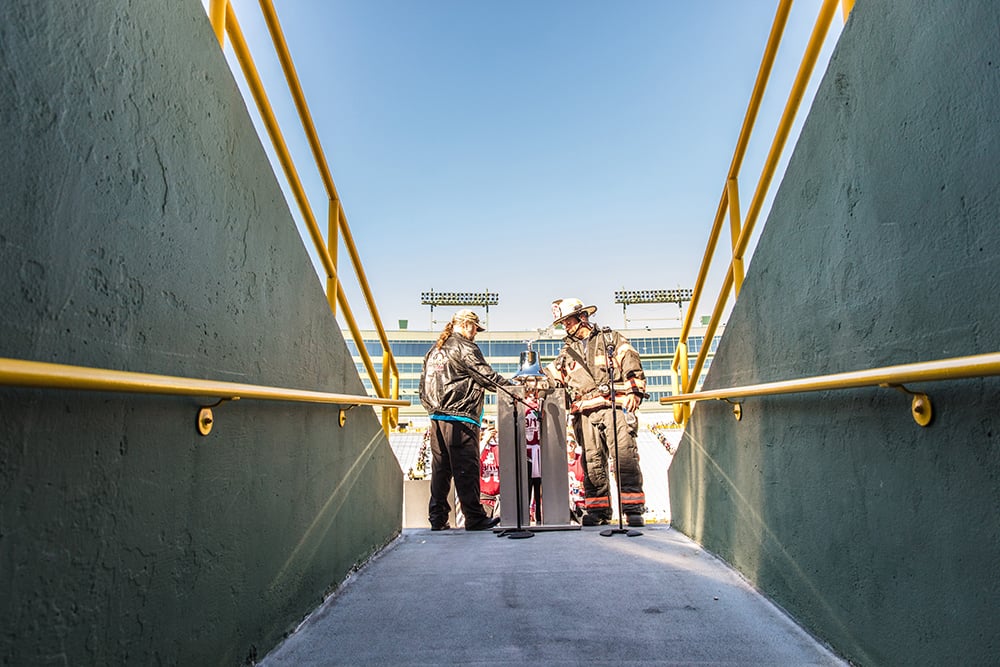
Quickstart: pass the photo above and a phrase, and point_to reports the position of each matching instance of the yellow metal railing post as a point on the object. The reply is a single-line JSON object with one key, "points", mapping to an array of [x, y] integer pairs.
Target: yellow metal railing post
{"points": [[735, 226], [680, 367], [332, 246], [217, 17], [713, 325], [394, 393], [387, 417]]}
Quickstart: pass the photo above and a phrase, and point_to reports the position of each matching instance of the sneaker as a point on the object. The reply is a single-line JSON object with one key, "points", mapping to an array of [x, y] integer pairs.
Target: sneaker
{"points": [[635, 520], [443, 526], [487, 524], [594, 520]]}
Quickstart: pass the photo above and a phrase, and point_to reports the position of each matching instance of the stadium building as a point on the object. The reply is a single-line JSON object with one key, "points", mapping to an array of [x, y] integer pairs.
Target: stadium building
{"points": [[503, 349]]}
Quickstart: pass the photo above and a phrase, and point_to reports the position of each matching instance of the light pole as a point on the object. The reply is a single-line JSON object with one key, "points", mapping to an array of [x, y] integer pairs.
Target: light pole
{"points": [[485, 299], [678, 296]]}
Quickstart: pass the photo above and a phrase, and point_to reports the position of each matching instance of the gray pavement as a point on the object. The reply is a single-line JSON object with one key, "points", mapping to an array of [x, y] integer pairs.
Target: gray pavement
{"points": [[567, 597]]}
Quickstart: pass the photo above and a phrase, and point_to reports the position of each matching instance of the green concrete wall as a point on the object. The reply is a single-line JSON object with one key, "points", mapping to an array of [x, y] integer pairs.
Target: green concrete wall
{"points": [[142, 229], [882, 247]]}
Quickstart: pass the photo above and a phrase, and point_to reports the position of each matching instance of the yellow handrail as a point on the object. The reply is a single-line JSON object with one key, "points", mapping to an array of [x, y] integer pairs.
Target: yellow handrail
{"points": [[21, 373], [955, 368], [338, 227], [741, 231]]}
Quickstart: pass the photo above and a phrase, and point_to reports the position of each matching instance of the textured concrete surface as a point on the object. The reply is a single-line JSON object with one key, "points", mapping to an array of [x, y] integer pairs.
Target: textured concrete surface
{"points": [[143, 229], [559, 598], [882, 247]]}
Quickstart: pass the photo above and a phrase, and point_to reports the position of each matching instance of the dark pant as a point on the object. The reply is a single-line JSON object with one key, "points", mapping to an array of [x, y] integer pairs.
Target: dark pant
{"points": [[595, 431], [455, 455], [535, 495]]}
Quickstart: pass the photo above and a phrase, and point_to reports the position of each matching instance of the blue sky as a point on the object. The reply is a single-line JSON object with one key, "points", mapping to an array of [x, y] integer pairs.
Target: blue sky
{"points": [[536, 149]]}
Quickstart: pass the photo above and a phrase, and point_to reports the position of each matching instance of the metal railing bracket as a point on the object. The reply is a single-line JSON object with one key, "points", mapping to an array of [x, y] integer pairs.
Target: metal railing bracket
{"points": [[205, 417], [343, 414], [205, 421], [920, 405]]}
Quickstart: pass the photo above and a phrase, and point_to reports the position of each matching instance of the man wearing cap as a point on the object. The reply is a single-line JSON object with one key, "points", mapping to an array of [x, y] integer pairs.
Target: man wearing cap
{"points": [[582, 367], [452, 386]]}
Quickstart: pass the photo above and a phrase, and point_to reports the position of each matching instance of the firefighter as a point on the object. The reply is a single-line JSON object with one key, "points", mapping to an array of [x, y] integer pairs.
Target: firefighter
{"points": [[582, 367]]}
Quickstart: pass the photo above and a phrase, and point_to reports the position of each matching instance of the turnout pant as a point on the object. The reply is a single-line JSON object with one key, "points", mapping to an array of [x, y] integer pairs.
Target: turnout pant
{"points": [[595, 431], [455, 455]]}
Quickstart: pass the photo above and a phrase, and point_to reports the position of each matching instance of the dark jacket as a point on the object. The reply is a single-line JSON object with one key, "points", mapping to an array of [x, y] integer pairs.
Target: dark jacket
{"points": [[583, 369], [454, 379]]}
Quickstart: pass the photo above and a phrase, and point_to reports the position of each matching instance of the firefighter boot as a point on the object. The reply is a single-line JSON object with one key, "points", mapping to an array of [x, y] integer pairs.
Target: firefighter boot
{"points": [[594, 520]]}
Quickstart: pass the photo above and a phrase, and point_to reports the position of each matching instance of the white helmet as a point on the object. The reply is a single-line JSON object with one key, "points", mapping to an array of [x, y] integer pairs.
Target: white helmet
{"points": [[563, 308]]}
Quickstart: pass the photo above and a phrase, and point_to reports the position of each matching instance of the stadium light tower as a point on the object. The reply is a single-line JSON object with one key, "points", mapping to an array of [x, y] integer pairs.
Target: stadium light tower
{"points": [[626, 297], [484, 299]]}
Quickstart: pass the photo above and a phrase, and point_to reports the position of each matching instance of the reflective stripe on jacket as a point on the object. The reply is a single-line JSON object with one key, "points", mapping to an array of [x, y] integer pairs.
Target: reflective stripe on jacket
{"points": [[588, 382]]}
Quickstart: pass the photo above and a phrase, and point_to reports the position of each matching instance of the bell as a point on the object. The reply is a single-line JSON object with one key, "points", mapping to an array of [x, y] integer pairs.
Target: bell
{"points": [[529, 366]]}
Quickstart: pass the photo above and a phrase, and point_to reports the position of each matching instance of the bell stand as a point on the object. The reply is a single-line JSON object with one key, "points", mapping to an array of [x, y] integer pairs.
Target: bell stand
{"points": [[552, 422], [518, 533]]}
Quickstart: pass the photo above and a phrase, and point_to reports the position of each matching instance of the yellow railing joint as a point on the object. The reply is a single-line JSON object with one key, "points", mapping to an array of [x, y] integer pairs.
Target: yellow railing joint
{"points": [[735, 227], [332, 247]]}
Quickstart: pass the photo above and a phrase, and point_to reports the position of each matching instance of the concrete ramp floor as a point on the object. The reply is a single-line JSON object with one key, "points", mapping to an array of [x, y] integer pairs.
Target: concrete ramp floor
{"points": [[558, 598]]}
